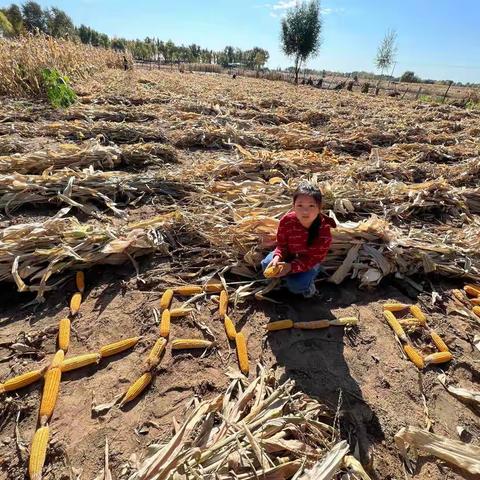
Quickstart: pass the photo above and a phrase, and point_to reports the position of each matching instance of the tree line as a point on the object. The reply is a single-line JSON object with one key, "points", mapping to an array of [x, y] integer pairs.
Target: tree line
{"points": [[17, 20]]}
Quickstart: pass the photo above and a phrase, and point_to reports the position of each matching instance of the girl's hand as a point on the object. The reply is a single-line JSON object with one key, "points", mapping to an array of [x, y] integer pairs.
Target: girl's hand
{"points": [[275, 261], [285, 269]]}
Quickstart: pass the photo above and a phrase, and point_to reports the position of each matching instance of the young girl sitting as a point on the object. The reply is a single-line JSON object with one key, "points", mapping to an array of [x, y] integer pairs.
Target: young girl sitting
{"points": [[303, 240]]}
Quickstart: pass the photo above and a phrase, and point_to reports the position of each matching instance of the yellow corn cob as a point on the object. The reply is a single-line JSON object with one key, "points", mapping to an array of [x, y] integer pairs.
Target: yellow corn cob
{"points": [[57, 359], [347, 321], [439, 343], [223, 304], [166, 299], [458, 294], [213, 287], [396, 327], [414, 356], [156, 353], [472, 290], [417, 313], [75, 303], [312, 325], [229, 328], [279, 325], [38, 453], [411, 323], [439, 357], [242, 352], [23, 380], [165, 324], [272, 271], [117, 347], [64, 334], [80, 281], [188, 290], [187, 343], [80, 361], [475, 301], [180, 312], [50, 393], [476, 310], [136, 388], [395, 307]]}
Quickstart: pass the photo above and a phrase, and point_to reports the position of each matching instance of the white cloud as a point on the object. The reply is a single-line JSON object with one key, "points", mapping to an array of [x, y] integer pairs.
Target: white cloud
{"points": [[284, 4]]}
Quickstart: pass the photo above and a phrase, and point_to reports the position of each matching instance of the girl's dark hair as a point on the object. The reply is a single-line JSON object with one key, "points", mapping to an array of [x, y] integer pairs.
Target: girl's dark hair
{"points": [[314, 192]]}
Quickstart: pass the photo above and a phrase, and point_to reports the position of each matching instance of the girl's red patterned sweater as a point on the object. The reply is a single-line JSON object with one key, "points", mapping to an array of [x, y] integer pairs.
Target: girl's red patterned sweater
{"points": [[292, 242]]}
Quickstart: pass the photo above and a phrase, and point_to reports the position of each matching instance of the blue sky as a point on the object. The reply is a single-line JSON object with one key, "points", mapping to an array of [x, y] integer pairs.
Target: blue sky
{"points": [[436, 38]]}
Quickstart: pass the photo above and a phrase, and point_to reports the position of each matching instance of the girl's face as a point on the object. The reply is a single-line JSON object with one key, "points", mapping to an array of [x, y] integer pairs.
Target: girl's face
{"points": [[307, 209]]}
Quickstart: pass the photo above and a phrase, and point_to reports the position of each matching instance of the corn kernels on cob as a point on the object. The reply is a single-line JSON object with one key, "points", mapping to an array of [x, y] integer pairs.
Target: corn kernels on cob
{"points": [[117, 347], [136, 388], [166, 299], [80, 281], [242, 353], [38, 453], [312, 325], [49, 394], [414, 356], [472, 291], [475, 301], [439, 357], [229, 327], [439, 343], [156, 353], [23, 380], [395, 326], [64, 334], [458, 294], [223, 304], [80, 361], [213, 287], [180, 312], [57, 359], [345, 321], [476, 310], [165, 324], [187, 343], [75, 303], [188, 290], [279, 325], [417, 313], [272, 271], [394, 307]]}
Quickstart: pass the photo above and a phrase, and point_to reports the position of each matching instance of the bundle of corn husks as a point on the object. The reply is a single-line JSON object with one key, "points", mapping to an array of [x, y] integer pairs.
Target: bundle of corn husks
{"points": [[257, 430], [35, 252]]}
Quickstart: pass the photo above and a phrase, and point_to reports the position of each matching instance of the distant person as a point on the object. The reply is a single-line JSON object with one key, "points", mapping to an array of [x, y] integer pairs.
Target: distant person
{"points": [[320, 83], [303, 81], [125, 63], [310, 81], [303, 240]]}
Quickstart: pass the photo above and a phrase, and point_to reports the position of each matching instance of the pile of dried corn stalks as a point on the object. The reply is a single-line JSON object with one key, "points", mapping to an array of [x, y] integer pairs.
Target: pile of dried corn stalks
{"points": [[257, 430]]}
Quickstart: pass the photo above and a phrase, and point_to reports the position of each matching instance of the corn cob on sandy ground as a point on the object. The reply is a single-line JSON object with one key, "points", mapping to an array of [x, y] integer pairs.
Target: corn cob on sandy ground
{"points": [[80, 361], [395, 307], [417, 313], [22, 380], [136, 388], [472, 291], [314, 325], [38, 453], [439, 343], [49, 394], [188, 343], [223, 303], [279, 325], [117, 347], [64, 334], [155, 354], [57, 359], [75, 303], [229, 328], [213, 287], [414, 356], [166, 299], [187, 290], [476, 310], [242, 353], [180, 312], [80, 281], [344, 322], [439, 357], [165, 324], [395, 326]]}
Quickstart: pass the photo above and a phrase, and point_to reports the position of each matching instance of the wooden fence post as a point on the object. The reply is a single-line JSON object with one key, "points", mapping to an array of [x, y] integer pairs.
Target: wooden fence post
{"points": [[418, 93], [446, 92]]}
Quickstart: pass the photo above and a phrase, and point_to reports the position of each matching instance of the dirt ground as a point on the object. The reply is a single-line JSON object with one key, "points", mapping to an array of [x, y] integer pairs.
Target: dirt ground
{"points": [[361, 372]]}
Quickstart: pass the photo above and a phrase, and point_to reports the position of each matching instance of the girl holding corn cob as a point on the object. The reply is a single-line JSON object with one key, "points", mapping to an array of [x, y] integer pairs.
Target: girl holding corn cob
{"points": [[303, 240]]}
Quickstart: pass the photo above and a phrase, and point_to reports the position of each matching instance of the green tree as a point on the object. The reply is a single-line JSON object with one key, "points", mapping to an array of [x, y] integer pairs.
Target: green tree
{"points": [[58, 23], [409, 77], [6, 29], [34, 17], [387, 51], [14, 15], [300, 34]]}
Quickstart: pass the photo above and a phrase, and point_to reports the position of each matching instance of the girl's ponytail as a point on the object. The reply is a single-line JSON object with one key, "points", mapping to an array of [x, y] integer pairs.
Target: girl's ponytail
{"points": [[314, 230]]}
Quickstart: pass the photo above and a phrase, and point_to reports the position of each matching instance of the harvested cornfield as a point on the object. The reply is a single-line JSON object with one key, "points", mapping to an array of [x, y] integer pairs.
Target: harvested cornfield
{"points": [[157, 181]]}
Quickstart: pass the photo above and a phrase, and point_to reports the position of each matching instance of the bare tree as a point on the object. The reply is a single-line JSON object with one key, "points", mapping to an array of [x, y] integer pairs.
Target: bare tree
{"points": [[387, 51]]}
